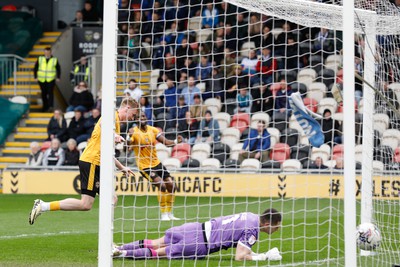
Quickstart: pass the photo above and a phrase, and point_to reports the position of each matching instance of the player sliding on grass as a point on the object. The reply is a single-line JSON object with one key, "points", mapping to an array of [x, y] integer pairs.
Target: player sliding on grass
{"points": [[89, 167], [143, 141], [197, 240]]}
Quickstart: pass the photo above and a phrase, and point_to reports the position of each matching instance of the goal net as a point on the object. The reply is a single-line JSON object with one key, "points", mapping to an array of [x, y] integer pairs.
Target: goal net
{"points": [[216, 74]]}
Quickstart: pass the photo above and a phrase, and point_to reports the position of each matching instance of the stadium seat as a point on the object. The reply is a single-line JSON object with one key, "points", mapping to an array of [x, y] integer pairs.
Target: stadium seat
{"points": [[294, 124], [259, 116], [327, 76], [201, 152], [191, 163], [161, 88], [246, 47], [171, 133], [338, 151], [271, 164], [395, 87], [245, 134], [301, 153], [338, 116], [280, 121], [306, 76], [211, 164], [334, 59], [276, 31], [381, 122], [327, 103], [68, 116], [280, 152], [340, 107], [378, 166], [311, 104], [214, 105], [304, 140], [253, 164], [397, 155], [275, 135], [358, 150], [163, 121], [224, 119], [291, 165], [391, 137], [181, 151], [240, 121], [230, 136], [323, 151], [290, 137], [220, 151], [201, 86], [290, 76], [235, 150], [19, 99], [194, 23], [299, 87], [231, 163], [384, 154], [172, 164], [316, 62], [361, 107], [330, 163], [316, 90], [230, 104], [163, 152], [45, 146], [202, 35]]}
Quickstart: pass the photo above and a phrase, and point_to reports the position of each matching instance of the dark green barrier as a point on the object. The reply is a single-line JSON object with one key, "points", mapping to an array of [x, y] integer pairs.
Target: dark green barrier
{"points": [[10, 113]]}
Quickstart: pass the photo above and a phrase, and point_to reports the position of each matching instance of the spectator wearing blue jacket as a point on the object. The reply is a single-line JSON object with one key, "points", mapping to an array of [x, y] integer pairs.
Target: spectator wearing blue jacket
{"points": [[209, 130], [257, 144], [282, 105], [170, 95], [204, 69], [210, 16], [179, 112], [190, 91]]}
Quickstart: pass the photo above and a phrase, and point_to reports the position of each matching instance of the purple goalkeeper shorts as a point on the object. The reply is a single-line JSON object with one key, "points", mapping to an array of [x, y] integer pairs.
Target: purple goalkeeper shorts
{"points": [[185, 241]]}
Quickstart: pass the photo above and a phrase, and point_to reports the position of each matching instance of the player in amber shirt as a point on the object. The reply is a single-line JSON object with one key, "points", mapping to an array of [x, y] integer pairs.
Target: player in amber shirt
{"points": [[143, 141], [89, 167]]}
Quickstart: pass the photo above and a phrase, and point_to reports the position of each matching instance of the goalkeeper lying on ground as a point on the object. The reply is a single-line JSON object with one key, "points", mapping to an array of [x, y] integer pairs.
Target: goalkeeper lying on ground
{"points": [[197, 240]]}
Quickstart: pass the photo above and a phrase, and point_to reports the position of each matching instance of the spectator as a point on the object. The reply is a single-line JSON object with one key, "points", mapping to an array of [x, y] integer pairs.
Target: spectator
{"points": [[214, 87], [189, 91], [54, 155], [170, 95], [71, 153], [46, 72], [160, 55], [235, 80], [133, 90], [179, 112], [97, 103], [281, 39], [281, 99], [240, 26], [89, 13], [198, 110], [331, 129], [267, 38], [81, 98], [210, 16], [182, 52], [80, 72], [382, 104], [230, 38], [204, 69], [263, 100], [152, 30], [133, 44], [76, 127], [124, 11], [78, 21], [172, 36], [57, 127], [227, 13], [88, 126], [217, 51], [291, 54], [339, 163], [208, 130], [228, 63], [35, 156], [147, 109], [188, 128], [324, 43], [249, 63], [244, 101], [266, 67], [189, 67], [318, 164], [159, 106], [257, 144]]}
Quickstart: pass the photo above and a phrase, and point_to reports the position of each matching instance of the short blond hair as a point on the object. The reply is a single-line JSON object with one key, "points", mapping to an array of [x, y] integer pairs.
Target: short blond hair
{"points": [[129, 101]]}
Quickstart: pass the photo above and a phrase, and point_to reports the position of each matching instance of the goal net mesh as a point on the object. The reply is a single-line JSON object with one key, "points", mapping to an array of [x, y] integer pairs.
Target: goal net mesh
{"points": [[215, 73]]}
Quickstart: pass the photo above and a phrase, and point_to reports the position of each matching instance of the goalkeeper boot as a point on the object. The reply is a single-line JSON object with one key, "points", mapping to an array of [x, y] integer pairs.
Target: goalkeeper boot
{"points": [[165, 216], [36, 211], [172, 217]]}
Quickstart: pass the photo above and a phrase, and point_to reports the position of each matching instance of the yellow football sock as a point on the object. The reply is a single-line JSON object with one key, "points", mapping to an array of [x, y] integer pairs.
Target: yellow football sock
{"points": [[55, 205], [170, 201], [162, 199]]}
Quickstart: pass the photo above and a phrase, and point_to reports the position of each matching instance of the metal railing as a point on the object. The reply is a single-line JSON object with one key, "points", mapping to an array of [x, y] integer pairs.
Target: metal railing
{"points": [[9, 65]]}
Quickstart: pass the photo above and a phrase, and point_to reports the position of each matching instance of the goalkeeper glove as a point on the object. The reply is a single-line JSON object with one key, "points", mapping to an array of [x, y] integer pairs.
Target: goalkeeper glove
{"points": [[273, 255]]}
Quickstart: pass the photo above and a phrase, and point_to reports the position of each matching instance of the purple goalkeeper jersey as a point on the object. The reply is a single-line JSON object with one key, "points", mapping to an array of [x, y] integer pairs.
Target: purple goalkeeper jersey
{"points": [[228, 231]]}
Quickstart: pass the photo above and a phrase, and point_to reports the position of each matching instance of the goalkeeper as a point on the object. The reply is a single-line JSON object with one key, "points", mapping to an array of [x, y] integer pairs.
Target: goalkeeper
{"points": [[197, 240]]}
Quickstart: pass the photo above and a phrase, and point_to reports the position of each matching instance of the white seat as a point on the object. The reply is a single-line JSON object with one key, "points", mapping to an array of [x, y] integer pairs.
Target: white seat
{"points": [[259, 116], [161, 88], [214, 105], [68, 117], [172, 164], [358, 150], [201, 151], [82, 146], [194, 23], [334, 59], [306, 76], [391, 137], [201, 86], [304, 140], [202, 35], [395, 87], [275, 135], [235, 150], [332, 65], [224, 120], [163, 152], [330, 163], [246, 47], [338, 117], [276, 31], [378, 166], [361, 107], [327, 103], [210, 164], [291, 165], [381, 122], [323, 151], [146, 46], [230, 136], [19, 99], [253, 164], [316, 91]]}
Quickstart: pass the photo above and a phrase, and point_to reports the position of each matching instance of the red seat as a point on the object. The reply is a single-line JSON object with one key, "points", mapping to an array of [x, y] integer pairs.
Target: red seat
{"points": [[280, 152], [340, 107], [339, 76], [311, 104], [337, 152], [45, 145], [396, 157], [240, 121], [181, 151]]}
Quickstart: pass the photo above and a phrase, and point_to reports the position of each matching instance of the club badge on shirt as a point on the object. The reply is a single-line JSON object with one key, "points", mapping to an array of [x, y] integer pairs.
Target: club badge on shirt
{"points": [[252, 240]]}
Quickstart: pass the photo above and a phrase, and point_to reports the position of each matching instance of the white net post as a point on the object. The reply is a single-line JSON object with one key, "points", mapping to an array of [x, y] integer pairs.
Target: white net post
{"points": [[107, 185]]}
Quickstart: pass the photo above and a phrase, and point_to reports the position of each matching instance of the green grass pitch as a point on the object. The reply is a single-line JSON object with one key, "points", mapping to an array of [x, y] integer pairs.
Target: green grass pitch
{"points": [[70, 238]]}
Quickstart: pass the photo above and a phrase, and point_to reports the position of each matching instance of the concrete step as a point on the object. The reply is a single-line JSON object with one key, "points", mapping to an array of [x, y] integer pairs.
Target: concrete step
{"points": [[31, 59], [133, 74], [37, 122], [29, 137], [36, 53], [23, 93], [40, 115], [138, 79], [18, 144], [31, 130], [48, 40], [56, 34], [22, 79], [38, 46], [21, 86], [13, 160], [10, 152], [27, 65]]}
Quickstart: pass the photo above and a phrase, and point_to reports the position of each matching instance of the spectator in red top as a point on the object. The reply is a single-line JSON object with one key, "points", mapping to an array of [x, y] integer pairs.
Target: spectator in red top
{"points": [[266, 67]]}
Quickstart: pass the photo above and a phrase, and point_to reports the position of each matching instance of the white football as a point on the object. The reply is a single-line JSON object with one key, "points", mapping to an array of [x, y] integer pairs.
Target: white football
{"points": [[368, 236]]}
